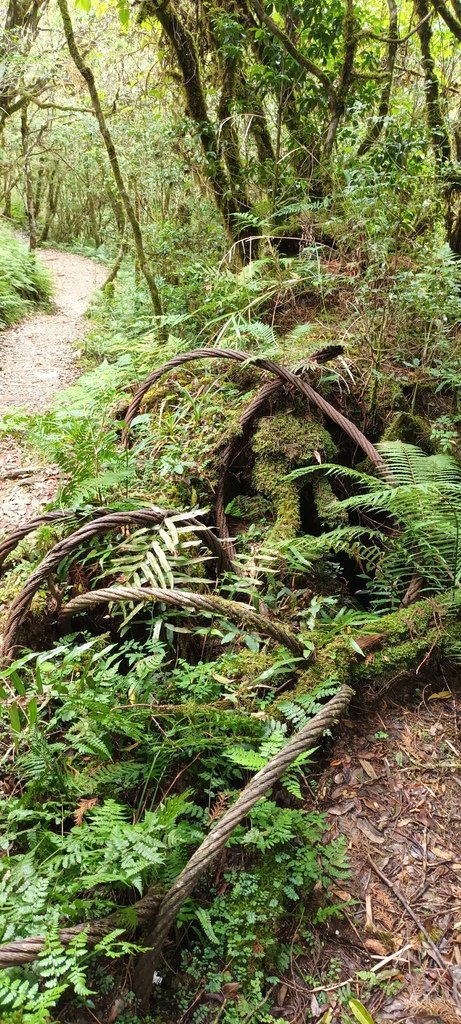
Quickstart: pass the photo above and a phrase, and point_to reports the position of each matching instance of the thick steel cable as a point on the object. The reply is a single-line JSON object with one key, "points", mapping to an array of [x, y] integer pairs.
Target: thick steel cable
{"points": [[263, 364], [227, 456], [233, 610], [112, 521], [55, 516], [325, 719], [25, 950]]}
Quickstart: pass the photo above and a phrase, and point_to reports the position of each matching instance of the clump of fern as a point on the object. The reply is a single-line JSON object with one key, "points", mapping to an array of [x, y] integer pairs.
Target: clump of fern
{"points": [[23, 279], [409, 524]]}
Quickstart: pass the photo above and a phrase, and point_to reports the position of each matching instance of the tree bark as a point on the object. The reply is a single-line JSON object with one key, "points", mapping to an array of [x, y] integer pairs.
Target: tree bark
{"points": [[435, 120], [123, 249], [338, 96], [183, 46], [52, 203]]}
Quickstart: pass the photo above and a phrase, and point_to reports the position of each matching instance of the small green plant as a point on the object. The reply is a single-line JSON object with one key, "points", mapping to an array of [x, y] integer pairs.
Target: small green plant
{"points": [[360, 1012], [24, 282]]}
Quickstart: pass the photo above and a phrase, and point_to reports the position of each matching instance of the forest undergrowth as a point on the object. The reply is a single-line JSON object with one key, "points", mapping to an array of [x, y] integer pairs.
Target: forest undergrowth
{"points": [[256, 536], [129, 730]]}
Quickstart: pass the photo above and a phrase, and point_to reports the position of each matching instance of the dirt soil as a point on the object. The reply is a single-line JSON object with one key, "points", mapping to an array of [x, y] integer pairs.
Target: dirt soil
{"points": [[38, 359], [391, 786]]}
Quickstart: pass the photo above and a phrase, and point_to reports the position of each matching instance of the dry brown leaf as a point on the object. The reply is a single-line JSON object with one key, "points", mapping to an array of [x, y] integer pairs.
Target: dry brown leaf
{"points": [[230, 989], [443, 1010], [282, 994], [219, 806], [370, 831], [383, 909], [342, 808], [368, 768], [441, 853], [83, 807], [342, 894], [375, 946]]}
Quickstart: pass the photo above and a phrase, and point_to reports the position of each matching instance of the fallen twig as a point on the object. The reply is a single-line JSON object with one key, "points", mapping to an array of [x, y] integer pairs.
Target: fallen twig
{"points": [[436, 954], [14, 474]]}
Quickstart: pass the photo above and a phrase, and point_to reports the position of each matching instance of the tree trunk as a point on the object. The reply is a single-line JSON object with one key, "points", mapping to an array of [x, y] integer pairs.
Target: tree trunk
{"points": [[435, 120], [30, 205], [384, 103], [88, 76], [183, 46], [52, 203]]}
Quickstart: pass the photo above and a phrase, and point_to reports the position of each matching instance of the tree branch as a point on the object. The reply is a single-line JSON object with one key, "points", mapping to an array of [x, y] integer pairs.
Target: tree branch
{"points": [[299, 57], [453, 24]]}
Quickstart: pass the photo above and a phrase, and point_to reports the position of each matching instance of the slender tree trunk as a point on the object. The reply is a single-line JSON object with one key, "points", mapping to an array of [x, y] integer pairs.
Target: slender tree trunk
{"points": [[30, 205], [95, 225], [118, 211], [228, 136], [384, 103], [438, 128], [39, 186], [52, 204], [436, 123], [123, 249], [339, 95], [88, 76]]}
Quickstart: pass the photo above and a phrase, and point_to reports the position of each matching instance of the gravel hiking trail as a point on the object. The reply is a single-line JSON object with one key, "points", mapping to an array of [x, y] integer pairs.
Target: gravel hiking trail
{"points": [[37, 359]]}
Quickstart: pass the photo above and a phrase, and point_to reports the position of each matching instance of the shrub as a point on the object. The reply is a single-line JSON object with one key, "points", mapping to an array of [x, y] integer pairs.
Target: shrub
{"points": [[23, 280]]}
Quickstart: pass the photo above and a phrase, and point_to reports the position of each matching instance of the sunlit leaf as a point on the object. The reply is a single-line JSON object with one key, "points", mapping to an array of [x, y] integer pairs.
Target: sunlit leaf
{"points": [[360, 1013]]}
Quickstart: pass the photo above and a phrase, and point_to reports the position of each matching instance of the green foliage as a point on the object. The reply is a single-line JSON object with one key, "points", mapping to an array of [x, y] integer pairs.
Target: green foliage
{"points": [[418, 510], [23, 280], [235, 942], [123, 744]]}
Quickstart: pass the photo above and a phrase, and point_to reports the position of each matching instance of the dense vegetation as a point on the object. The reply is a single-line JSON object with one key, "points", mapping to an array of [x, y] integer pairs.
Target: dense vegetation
{"points": [[22, 281], [282, 181]]}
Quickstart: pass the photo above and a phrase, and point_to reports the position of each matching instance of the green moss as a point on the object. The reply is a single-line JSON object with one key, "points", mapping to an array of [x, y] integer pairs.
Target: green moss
{"points": [[280, 443], [411, 429], [403, 641], [294, 439], [327, 505], [246, 666], [334, 661]]}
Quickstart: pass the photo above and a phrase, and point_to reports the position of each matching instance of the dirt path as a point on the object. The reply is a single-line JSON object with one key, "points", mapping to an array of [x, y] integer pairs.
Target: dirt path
{"points": [[36, 361]]}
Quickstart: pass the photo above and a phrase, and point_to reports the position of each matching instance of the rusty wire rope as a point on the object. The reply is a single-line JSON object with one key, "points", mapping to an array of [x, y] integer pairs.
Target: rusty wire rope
{"points": [[271, 390], [233, 610], [281, 372], [57, 515], [114, 520], [156, 915]]}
